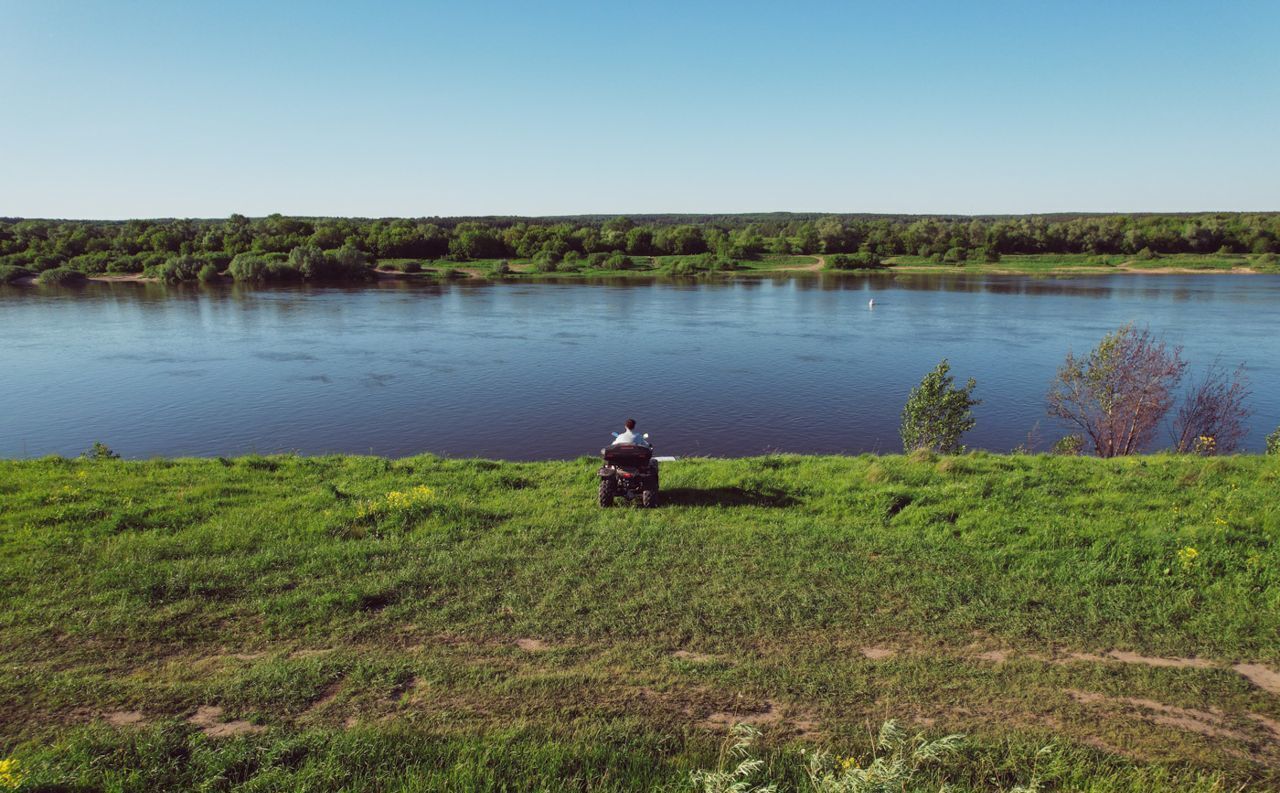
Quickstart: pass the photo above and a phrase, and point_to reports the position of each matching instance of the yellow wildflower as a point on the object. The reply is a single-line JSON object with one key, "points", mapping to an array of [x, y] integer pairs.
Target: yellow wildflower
{"points": [[1188, 557], [11, 778]]}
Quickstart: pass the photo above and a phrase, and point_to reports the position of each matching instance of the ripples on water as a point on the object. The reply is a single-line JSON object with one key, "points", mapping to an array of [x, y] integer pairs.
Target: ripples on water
{"points": [[547, 370]]}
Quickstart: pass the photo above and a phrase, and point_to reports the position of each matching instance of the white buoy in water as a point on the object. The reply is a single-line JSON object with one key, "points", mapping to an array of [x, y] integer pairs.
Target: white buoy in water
{"points": [[871, 303]]}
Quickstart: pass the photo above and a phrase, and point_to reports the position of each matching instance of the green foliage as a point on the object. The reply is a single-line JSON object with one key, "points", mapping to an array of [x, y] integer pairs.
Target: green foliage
{"points": [[1273, 442], [60, 276], [10, 273], [248, 267], [1146, 254], [1069, 445], [955, 255], [348, 263], [618, 261], [101, 451], [208, 273], [177, 269], [862, 260], [937, 413], [990, 255]]}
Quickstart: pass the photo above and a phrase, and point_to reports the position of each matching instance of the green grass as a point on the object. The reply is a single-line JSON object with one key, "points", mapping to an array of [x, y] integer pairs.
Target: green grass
{"points": [[1047, 264], [376, 639]]}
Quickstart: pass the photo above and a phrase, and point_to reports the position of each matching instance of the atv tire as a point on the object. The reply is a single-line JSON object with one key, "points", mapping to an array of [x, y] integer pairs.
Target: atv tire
{"points": [[606, 492]]}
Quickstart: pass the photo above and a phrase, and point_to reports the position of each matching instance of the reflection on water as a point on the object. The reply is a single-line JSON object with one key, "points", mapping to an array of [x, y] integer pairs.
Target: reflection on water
{"points": [[533, 370]]}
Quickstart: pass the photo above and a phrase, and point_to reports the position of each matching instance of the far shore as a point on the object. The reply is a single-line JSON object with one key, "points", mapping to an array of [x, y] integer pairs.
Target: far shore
{"points": [[656, 268]]}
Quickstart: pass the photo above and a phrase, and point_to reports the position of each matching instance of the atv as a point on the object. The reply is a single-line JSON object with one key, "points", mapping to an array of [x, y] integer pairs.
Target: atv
{"points": [[630, 471]]}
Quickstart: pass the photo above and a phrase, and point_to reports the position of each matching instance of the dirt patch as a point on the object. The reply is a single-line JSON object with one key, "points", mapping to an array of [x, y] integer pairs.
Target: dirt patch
{"points": [[328, 695], [125, 718], [532, 645], [1262, 677], [770, 715], [878, 653], [1211, 722], [209, 719], [694, 657], [994, 656], [1145, 660]]}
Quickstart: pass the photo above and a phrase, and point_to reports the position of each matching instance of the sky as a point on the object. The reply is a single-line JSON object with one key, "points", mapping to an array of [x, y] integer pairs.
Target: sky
{"points": [[186, 109]]}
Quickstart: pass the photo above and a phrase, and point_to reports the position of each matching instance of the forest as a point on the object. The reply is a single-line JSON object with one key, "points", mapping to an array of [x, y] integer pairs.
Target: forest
{"points": [[279, 247]]}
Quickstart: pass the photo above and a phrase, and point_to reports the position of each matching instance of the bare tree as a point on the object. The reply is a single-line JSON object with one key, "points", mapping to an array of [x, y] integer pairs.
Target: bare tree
{"points": [[1118, 394], [1211, 418]]}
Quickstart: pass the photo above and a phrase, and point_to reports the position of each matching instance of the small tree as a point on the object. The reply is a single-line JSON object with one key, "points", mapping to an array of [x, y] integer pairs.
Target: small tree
{"points": [[1211, 418], [937, 413], [1118, 394], [1273, 442]]}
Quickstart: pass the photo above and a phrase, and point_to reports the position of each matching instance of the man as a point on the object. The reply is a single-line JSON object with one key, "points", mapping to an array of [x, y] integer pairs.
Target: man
{"points": [[629, 435]]}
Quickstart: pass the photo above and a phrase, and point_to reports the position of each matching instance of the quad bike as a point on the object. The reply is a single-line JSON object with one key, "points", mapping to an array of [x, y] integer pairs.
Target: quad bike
{"points": [[629, 471]]}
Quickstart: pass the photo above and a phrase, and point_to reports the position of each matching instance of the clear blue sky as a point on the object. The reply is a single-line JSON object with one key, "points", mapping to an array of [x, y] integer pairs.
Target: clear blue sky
{"points": [[133, 109]]}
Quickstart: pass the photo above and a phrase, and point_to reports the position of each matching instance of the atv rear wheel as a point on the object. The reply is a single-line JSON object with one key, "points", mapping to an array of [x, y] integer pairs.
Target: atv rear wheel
{"points": [[606, 492], [649, 498]]}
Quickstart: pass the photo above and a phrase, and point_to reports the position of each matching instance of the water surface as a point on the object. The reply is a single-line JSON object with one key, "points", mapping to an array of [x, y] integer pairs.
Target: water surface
{"points": [[546, 370]]}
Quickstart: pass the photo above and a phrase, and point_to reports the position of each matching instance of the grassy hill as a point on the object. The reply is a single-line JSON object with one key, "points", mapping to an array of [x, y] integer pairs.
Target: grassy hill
{"points": [[288, 623]]}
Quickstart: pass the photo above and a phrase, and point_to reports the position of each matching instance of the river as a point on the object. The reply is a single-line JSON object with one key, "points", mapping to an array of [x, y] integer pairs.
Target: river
{"points": [[547, 370]]}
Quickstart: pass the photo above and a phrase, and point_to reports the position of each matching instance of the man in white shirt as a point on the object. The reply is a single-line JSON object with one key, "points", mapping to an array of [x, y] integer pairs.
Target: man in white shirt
{"points": [[628, 435]]}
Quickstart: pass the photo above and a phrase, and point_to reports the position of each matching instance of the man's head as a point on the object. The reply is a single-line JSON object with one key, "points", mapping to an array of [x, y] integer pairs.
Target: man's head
{"points": [[631, 424]]}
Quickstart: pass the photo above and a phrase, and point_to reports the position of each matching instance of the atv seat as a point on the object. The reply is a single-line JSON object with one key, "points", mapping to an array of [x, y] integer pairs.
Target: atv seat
{"points": [[628, 455]]}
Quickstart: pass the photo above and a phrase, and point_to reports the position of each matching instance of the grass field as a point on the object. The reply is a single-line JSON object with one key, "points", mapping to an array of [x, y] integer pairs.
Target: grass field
{"points": [[288, 623]]}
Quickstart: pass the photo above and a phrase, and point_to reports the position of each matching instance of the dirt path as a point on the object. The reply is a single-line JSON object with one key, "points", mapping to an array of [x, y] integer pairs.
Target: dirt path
{"points": [[819, 263]]}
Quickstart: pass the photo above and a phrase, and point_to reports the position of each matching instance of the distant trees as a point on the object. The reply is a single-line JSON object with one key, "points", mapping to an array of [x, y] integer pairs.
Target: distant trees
{"points": [[131, 246], [938, 413]]}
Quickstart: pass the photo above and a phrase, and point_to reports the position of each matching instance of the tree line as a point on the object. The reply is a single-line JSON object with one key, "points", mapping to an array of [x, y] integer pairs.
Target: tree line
{"points": [[133, 246]]}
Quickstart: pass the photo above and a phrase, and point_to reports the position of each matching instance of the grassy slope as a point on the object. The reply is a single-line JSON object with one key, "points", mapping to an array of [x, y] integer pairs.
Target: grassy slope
{"points": [[381, 651]]}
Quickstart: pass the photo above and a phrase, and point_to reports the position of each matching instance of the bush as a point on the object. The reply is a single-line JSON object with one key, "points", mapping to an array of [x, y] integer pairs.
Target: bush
{"points": [[955, 255], [1146, 254], [208, 273], [937, 413], [618, 261], [1273, 442], [177, 269], [990, 255], [348, 263], [503, 268], [101, 451], [248, 267], [597, 260], [547, 262], [10, 273], [1070, 445], [862, 260], [60, 276]]}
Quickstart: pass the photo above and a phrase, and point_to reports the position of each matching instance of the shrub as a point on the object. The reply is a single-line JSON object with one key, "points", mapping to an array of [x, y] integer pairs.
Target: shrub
{"points": [[1267, 262], [937, 413], [177, 269], [412, 267], [46, 262], [60, 276], [1273, 442], [503, 268], [546, 262], [1146, 254], [990, 255], [208, 273], [862, 260], [1070, 445], [955, 255], [618, 261], [596, 260], [248, 267], [101, 451], [10, 273]]}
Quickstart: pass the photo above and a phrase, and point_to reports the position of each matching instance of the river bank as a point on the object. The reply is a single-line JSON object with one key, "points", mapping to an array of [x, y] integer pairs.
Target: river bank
{"points": [[481, 625]]}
